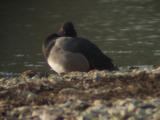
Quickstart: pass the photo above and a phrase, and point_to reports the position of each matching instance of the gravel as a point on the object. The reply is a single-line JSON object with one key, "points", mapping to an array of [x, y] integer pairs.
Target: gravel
{"points": [[96, 95]]}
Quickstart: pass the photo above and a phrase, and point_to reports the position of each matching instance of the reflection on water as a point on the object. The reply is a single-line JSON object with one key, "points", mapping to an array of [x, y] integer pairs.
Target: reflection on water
{"points": [[126, 30]]}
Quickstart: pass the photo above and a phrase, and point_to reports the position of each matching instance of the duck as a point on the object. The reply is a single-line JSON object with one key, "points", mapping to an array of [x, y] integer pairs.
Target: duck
{"points": [[66, 52]]}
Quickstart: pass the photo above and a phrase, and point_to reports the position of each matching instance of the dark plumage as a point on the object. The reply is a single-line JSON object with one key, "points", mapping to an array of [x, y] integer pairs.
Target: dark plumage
{"points": [[65, 43], [48, 44], [67, 30], [96, 58]]}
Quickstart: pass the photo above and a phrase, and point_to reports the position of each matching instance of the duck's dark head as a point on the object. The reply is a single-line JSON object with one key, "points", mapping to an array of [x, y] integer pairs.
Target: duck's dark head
{"points": [[67, 29]]}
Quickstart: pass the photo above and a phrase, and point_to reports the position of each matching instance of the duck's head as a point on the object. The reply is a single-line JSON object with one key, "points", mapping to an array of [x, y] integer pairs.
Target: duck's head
{"points": [[67, 29]]}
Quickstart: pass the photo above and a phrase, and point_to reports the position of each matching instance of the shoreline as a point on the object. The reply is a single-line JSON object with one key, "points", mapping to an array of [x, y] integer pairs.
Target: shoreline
{"points": [[119, 95]]}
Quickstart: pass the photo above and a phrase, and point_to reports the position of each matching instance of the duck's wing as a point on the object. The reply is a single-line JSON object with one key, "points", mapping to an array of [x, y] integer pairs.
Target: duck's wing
{"points": [[94, 55]]}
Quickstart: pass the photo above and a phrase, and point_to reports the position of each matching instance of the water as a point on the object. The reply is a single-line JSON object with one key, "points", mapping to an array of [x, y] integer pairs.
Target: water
{"points": [[125, 30]]}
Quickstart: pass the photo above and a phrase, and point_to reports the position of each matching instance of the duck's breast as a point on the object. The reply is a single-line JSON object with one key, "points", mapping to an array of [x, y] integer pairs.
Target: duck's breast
{"points": [[62, 61]]}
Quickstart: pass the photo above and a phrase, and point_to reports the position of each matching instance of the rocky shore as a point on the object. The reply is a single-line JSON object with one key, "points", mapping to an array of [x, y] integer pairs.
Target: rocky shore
{"points": [[96, 95]]}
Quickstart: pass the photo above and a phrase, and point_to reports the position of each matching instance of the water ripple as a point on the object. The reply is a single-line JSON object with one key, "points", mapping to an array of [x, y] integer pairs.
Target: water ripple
{"points": [[119, 52], [156, 52]]}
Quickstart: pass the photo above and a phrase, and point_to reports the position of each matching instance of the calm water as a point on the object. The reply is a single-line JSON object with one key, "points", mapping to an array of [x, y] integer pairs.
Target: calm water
{"points": [[126, 30]]}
